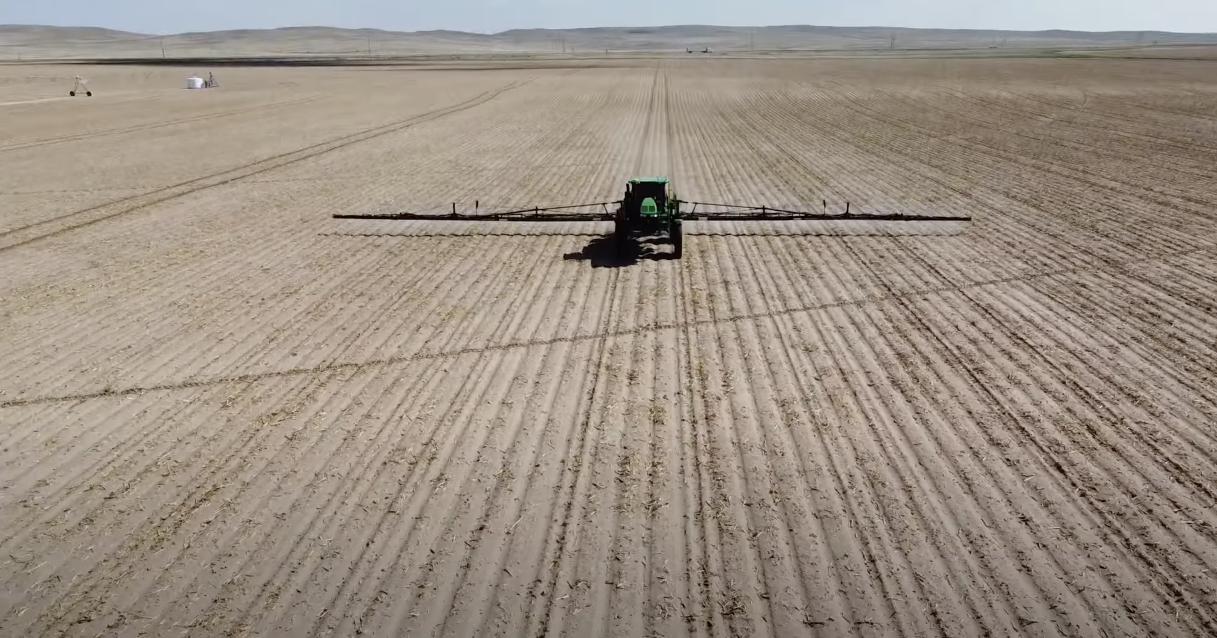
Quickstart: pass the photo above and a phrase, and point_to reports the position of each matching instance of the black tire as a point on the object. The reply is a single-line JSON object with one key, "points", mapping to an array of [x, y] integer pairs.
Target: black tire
{"points": [[677, 239], [89, 93], [72, 93], [621, 234]]}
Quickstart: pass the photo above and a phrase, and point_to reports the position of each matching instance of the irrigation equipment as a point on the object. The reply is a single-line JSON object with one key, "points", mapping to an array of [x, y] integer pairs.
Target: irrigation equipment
{"points": [[80, 83]]}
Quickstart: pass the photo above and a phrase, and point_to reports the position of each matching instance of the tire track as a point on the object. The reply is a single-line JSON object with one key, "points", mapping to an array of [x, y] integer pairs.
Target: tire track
{"points": [[520, 566], [424, 356], [104, 578], [166, 335], [922, 159], [543, 617], [502, 573], [169, 193], [859, 461], [651, 108], [990, 154], [768, 261], [343, 506], [566, 548], [458, 465], [323, 302], [475, 541], [1039, 581], [154, 125], [1013, 485], [599, 509], [1075, 245], [456, 262], [1168, 172], [1051, 452], [773, 534], [1005, 432], [890, 292], [695, 596]]}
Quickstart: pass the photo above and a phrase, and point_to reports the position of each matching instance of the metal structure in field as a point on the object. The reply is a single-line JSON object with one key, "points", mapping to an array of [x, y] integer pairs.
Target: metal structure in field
{"points": [[650, 207], [78, 85]]}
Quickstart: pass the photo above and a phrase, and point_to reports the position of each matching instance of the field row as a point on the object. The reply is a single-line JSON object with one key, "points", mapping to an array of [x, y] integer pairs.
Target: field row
{"points": [[850, 434], [231, 414]]}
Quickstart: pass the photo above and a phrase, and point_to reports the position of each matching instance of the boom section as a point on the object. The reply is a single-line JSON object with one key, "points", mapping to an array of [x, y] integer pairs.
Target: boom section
{"points": [[738, 212], [535, 214]]}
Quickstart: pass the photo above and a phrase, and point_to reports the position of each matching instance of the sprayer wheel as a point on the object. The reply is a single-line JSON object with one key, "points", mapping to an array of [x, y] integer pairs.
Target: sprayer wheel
{"points": [[72, 93], [89, 93]]}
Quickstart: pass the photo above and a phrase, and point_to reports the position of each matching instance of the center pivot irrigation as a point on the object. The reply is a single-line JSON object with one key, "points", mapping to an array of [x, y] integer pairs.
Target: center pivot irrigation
{"points": [[650, 206]]}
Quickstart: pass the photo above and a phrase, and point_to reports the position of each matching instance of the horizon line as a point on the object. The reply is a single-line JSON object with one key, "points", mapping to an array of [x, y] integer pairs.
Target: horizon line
{"points": [[612, 27]]}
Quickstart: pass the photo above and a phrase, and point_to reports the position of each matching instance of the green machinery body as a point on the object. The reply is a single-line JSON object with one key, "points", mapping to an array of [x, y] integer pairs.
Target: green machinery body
{"points": [[649, 207]]}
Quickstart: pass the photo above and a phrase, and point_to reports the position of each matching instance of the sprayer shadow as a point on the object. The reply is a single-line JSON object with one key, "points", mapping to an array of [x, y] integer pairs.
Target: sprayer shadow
{"points": [[603, 252]]}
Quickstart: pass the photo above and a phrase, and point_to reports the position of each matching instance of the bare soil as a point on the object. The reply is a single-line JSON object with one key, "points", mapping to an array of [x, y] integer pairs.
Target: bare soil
{"points": [[225, 413]]}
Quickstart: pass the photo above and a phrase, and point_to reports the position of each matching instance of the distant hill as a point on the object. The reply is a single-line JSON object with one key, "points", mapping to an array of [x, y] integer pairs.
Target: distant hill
{"points": [[35, 41], [33, 34]]}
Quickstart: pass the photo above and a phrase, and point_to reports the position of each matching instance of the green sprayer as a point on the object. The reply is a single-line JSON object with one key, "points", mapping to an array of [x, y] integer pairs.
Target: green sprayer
{"points": [[650, 207]]}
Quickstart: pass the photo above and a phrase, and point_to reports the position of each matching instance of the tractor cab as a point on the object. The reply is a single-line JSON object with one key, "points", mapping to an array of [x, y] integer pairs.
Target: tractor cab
{"points": [[649, 207], [645, 197]]}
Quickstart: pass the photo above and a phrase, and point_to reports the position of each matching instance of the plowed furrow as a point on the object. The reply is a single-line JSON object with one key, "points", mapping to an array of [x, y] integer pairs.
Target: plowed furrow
{"points": [[227, 413], [15, 238], [1085, 477], [404, 502], [135, 128]]}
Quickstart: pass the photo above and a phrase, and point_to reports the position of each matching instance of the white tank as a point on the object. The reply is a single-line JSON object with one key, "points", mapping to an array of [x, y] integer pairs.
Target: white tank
{"points": [[194, 83]]}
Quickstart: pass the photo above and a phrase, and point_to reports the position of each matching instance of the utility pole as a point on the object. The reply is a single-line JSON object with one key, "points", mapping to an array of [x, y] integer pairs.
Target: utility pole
{"points": [[162, 47]]}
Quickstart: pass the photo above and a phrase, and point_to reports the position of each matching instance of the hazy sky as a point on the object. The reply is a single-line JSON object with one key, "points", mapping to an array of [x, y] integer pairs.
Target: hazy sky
{"points": [[170, 16]]}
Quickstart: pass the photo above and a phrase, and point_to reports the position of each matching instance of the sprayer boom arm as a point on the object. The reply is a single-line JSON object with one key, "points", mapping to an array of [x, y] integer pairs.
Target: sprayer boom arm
{"points": [[738, 212], [735, 212], [535, 214]]}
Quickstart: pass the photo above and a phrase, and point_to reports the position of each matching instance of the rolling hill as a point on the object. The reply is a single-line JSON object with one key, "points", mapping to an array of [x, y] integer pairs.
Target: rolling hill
{"points": [[39, 41]]}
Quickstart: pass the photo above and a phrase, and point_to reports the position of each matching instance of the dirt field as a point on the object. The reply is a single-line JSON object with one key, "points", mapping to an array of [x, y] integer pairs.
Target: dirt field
{"points": [[224, 413]]}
